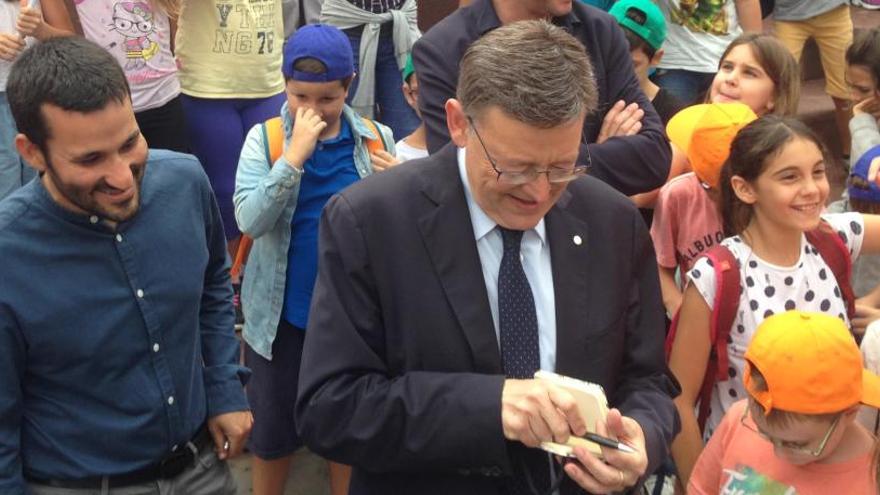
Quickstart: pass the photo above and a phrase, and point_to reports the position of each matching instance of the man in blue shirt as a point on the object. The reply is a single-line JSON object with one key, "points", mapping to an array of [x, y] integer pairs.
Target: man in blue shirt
{"points": [[119, 361]]}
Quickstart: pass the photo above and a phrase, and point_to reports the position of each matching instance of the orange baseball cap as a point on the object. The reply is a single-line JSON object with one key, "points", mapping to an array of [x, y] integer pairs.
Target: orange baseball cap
{"points": [[704, 132], [811, 363]]}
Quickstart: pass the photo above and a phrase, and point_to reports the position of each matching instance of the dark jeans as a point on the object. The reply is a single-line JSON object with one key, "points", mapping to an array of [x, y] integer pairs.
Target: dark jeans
{"points": [[391, 107], [688, 86], [165, 127]]}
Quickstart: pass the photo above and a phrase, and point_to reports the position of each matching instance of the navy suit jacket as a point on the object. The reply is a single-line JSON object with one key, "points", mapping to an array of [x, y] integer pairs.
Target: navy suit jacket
{"points": [[631, 165], [401, 374]]}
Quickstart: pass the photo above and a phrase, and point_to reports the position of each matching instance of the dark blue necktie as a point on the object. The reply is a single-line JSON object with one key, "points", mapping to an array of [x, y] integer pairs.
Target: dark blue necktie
{"points": [[518, 328], [517, 319]]}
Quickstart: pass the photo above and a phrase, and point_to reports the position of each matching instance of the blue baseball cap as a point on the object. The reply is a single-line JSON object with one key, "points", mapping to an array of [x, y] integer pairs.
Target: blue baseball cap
{"points": [[321, 42], [858, 186]]}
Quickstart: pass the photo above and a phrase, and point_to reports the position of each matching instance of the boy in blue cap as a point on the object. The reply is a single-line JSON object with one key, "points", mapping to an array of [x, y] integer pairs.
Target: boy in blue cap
{"points": [[644, 26], [289, 167]]}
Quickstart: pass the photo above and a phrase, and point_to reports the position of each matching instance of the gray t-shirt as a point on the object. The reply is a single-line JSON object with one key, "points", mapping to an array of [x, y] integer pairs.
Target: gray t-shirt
{"points": [[798, 10]]}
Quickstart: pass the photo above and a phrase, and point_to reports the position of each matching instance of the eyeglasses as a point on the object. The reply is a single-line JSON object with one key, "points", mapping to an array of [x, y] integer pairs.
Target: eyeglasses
{"points": [[555, 175], [782, 444]]}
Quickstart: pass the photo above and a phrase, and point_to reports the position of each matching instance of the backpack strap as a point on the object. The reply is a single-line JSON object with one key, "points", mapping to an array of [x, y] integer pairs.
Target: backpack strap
{"points": [[273, 145], [724, 308], [836, 255], [377, 144]]}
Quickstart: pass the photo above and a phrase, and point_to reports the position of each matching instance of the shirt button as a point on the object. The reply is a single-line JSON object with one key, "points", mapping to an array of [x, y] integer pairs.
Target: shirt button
{"points": [[93, 219], [155, 347], [118, 237], [171, 400], [140, 293]]}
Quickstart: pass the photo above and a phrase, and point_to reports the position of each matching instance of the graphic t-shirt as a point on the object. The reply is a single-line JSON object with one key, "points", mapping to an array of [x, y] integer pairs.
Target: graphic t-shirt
{"points": [[686, 223], [767, 289], [698, 31], [737, 461], [230, 48], [138, 34]]}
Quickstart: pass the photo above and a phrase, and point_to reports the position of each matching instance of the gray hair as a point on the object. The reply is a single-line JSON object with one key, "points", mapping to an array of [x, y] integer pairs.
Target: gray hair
{"points": [[531, 70]]}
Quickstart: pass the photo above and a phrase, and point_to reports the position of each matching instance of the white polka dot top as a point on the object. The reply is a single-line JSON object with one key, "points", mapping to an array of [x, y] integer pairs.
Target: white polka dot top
{"points": [[767, 289]]}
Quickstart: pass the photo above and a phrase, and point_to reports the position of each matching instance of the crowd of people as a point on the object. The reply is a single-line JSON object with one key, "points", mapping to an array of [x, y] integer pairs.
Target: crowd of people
{"points": [[405, 227]]}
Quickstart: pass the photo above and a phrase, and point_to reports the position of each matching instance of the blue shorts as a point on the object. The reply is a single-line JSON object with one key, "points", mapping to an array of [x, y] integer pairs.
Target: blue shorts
{"points": [[271, 392]]}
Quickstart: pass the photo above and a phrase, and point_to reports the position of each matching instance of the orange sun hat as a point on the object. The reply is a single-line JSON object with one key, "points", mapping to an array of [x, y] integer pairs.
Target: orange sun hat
{"points": [[704, 133], [811, 363]]}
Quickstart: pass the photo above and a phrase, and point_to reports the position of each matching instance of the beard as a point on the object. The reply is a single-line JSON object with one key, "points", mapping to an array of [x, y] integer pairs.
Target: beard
{"points": [[86, 197]]}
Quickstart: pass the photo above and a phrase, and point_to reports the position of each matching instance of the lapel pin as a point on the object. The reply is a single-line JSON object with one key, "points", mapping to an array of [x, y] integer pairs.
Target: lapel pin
{"points": [[577, 240]]}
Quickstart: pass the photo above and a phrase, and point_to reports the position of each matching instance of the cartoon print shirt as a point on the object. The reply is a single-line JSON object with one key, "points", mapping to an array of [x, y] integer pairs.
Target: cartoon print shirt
{"points": [[698, 31], [737, 461], [139, 36], [767, 289], [230, 48], [686, 223]]}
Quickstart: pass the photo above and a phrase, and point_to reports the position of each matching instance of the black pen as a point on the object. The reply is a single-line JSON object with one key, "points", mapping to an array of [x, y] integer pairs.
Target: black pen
{"points": [[610, 443]]}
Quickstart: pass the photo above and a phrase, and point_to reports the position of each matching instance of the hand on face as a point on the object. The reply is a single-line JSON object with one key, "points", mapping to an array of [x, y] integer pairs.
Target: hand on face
{"points": [[621, 120], [533, 411], [11, 45], [869, 106], [619, 470], [307, 127]]}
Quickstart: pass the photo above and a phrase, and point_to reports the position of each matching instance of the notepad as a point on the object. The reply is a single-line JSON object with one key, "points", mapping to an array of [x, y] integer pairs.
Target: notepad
{"points": [[592, 404]]}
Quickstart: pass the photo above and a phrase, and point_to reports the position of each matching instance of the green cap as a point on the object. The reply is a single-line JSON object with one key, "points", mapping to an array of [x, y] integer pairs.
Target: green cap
{"points": [[408, 69], [643, 18]]}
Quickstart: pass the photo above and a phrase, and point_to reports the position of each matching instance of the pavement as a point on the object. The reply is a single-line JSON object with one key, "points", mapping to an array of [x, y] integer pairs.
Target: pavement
{"points": [[308, 474]]}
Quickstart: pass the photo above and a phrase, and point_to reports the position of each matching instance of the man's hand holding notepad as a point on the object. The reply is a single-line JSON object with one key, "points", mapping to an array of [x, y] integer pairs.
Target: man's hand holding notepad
{"points": [[592, 407]]}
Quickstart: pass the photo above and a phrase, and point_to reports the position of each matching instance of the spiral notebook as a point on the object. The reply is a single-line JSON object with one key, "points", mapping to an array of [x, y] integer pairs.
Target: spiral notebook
{"points": [[592, 404]]}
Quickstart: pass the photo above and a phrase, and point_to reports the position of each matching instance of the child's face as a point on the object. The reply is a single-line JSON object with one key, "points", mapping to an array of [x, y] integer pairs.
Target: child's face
{"points": [[861, 83], [411, 93], [797, 441], [741, 78], [790, 193], [325, 98], [641, 63]]}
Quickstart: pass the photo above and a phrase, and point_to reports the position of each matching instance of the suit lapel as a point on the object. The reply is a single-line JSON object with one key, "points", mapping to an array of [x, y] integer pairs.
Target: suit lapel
{"points": [[569, 253], [449, 239]]}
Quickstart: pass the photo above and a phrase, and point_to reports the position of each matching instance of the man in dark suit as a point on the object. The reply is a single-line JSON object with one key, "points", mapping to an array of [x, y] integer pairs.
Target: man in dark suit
{"points": [[445, 283], [625, 135]]}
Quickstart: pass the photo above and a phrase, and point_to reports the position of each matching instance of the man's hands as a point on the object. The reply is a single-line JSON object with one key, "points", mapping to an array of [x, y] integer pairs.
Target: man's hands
{"points": [[533, 411], [230, 431], [621, 120], [619, 470], [307, 127]]}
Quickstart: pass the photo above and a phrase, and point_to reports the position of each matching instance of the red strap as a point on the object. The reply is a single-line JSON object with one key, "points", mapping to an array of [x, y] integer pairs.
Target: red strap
{"points": [[834, 252], [724, 308]]}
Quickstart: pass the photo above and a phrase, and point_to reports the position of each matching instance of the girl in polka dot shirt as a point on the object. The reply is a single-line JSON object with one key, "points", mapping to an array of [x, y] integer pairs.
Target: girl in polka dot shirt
{"points": [[773, 189]]}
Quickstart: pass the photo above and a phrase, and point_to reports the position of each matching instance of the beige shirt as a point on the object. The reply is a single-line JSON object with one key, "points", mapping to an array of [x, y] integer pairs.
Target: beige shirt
{"points": [[230, 48]]}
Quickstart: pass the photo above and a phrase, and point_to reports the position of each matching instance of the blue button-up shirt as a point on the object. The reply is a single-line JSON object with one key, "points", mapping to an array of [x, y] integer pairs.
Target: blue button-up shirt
{"points": [[115, 345]]}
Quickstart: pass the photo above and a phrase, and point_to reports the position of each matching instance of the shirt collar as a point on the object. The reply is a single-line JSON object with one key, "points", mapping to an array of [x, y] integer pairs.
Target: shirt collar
{"points": [[481, 222], [90, 220]]}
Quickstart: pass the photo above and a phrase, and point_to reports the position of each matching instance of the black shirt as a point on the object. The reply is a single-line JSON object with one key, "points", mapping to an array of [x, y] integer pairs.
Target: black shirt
{"points": [[666, 105]]}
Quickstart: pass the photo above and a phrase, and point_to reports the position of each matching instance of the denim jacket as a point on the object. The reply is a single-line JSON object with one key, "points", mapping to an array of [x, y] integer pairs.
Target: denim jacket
{"points": [[265, 199]]}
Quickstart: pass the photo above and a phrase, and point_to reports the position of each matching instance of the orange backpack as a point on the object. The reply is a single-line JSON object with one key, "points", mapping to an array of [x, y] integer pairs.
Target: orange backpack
{"points": [[273, 140]]}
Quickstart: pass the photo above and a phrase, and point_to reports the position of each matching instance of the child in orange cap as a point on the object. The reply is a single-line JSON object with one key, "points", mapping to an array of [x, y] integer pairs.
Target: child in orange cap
{"points": [[687, 220], [796, 432]]}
